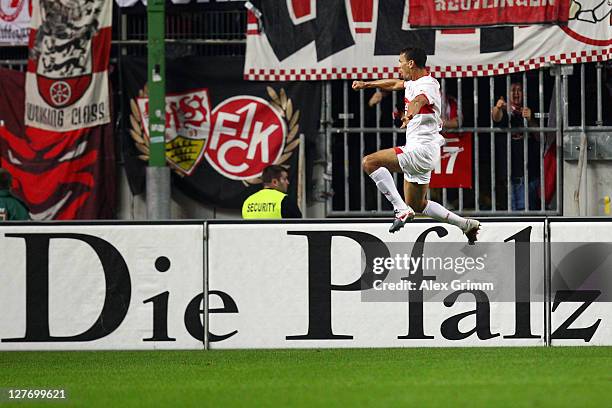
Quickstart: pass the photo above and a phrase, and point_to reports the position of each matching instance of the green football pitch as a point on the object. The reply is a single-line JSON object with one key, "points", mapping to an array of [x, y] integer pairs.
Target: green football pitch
{"points": [[416, 377]]}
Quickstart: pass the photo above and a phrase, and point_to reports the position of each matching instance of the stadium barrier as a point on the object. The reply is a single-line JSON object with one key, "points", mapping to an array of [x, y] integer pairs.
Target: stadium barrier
{"points": [[70, 286], [319, 283]]}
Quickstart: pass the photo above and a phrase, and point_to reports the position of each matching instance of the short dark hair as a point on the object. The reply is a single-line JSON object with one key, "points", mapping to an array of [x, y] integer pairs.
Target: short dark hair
{"points": [[271, 172], [5, 179], [416, 54]]}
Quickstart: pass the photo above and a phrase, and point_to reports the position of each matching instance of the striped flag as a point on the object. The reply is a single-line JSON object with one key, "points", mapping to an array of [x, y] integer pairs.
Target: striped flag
{"points": [[58, 139], [67, 77]]}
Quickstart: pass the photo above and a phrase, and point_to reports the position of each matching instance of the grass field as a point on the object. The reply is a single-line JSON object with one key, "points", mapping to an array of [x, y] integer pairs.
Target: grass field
{"points": [[470, 377]]}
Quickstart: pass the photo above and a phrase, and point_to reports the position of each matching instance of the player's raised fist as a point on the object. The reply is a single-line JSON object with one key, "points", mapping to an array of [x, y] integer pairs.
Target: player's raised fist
{"points": [[357, 85]]}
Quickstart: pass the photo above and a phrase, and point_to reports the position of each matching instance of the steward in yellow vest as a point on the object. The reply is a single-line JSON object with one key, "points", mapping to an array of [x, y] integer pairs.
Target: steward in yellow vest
{"points": [[272, 202], [265, 203]]}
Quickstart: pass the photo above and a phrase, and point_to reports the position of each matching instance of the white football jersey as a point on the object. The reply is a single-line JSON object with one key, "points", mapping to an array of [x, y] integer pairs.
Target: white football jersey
{"points": [[426, 125]]}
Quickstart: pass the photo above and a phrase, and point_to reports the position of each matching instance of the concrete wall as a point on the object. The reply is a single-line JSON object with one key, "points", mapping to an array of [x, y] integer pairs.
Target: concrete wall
{"points": [[596, 184], [134, 207], [131, 207]]}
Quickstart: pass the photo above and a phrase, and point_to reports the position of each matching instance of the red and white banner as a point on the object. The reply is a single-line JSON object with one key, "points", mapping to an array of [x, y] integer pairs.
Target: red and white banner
{"points": [[67, 78], [472, 13], [59, 175], [454, 169], [15, 21], [455, 166], [361, 39]]}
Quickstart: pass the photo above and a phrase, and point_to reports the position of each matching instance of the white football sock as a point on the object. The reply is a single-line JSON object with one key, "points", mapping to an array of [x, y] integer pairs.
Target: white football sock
{"points": [[437, 212], [386, 185]]}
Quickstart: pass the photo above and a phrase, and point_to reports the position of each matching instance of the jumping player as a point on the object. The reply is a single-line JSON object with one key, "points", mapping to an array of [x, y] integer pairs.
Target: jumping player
{"points": [[422, 150]]}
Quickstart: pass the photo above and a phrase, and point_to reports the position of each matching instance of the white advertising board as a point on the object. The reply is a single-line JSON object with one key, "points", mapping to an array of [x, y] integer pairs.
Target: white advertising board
{"points": [[69, 287], [581, 275], [298, 285]]}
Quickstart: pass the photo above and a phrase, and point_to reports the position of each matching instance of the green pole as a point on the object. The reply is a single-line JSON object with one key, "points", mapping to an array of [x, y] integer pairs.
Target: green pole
{"points": [[158, 174], [156, 16]]}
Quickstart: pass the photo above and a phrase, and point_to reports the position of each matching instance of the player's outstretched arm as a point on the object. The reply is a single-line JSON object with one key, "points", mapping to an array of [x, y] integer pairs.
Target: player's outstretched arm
{"points": [[384, 84]]}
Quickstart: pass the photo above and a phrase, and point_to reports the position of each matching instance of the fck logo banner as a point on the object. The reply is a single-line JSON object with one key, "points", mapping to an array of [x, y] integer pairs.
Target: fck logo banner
{"points": [[221, 131]]}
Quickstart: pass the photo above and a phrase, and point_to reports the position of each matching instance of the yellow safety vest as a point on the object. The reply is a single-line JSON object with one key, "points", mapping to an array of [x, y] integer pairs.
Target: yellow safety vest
{"points": [[263, 204]]}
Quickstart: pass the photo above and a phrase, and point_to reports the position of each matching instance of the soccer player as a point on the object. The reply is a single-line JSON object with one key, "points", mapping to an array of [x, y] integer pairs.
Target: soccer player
{"points": [[422, 150]]}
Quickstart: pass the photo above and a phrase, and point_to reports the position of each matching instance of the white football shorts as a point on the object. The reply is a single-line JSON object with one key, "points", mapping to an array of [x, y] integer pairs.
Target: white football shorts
{"points": [[418, 160]]}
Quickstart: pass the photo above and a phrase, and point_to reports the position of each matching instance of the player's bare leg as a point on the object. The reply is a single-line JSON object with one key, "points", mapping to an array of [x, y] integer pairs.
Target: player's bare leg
{"points": [[415, 195], [379, 166]]}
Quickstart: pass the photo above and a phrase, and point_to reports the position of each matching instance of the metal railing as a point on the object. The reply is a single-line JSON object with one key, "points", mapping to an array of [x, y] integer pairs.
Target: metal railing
{"points": [[353, 130], [187, 33], [17, 65], [202, 33]]}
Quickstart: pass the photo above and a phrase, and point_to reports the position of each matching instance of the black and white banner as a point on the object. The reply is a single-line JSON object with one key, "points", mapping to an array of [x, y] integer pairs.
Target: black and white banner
{"points": [[67, 77], [336, 39]]}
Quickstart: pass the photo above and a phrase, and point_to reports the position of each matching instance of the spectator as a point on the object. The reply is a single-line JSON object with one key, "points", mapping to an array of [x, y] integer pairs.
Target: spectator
{"points": [[11, 208], [271, 202], [518, 113]]}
